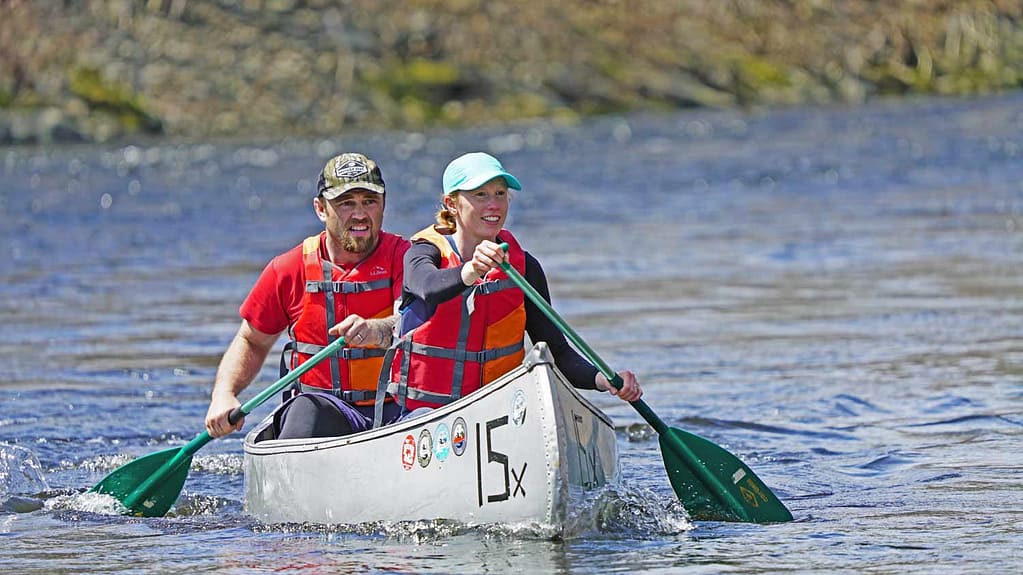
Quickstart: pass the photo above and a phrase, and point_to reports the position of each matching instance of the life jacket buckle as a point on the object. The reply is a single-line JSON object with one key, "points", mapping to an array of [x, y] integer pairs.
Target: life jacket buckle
{"points": [[290, 392]]}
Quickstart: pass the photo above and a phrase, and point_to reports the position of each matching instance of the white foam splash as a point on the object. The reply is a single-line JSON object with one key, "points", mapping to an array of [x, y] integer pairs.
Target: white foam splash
{"points": [[88, 501]]}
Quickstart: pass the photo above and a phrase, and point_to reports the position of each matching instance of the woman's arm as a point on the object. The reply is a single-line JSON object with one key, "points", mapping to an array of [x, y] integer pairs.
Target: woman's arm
{"points": [[425, 280], [578, 370], [580, 373]]}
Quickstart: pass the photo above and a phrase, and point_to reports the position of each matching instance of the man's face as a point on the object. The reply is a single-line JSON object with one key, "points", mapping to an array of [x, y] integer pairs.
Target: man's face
{"points": [[354, 219]]}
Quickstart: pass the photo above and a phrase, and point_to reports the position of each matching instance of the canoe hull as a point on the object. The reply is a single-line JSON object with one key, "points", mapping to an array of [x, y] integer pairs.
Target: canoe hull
{"points": [[520, 450]]}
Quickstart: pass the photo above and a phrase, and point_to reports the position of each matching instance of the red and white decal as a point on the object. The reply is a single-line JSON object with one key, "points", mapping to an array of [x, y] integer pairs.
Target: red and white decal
{"points": [[408, 452]]}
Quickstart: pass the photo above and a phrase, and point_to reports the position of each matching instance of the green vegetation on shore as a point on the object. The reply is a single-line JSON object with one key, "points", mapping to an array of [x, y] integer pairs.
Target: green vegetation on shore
{"points": [[104, 70]]}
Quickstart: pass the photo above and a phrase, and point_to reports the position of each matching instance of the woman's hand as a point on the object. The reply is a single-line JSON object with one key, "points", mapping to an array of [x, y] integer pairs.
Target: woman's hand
{"points": [[630, 391], [487, 256]]}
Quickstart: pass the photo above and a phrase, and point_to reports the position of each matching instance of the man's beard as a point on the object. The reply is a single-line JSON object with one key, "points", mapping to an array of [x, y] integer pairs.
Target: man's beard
{"points": [[357, 245]]}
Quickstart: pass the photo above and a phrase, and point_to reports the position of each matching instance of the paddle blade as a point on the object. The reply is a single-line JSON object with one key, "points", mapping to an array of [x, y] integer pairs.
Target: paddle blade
{"points": [[161, 486], [713, 484]]}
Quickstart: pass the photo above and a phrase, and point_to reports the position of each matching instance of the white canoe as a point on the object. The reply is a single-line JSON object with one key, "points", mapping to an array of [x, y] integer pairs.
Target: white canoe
{"points": [[520, 450]]}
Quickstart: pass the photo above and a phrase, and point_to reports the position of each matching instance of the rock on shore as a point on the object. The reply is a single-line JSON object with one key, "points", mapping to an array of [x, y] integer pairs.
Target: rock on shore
{"points": [[94, 70]]}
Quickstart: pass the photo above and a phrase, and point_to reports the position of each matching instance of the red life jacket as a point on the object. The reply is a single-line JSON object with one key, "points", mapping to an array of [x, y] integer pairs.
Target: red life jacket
{"points": [[365, 290], [469, 341]]}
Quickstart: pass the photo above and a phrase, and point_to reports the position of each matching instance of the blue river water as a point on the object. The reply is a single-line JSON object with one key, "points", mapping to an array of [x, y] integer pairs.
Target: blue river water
{"points": [[835, 295]]}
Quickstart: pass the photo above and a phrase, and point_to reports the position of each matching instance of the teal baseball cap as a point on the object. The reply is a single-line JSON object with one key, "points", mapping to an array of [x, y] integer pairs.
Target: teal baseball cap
{"points": [[472, 170]]}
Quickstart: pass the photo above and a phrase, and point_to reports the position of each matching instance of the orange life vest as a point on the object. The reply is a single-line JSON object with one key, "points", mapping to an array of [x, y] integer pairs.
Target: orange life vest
{"points": [[468, 341], [365, 290]]}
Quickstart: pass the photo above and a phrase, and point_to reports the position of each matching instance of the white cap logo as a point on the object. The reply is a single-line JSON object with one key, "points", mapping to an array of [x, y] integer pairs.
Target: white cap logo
{"points": [[350, 169]]}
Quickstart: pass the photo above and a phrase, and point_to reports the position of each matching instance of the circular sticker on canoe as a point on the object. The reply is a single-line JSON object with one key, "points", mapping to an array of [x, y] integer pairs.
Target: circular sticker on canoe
{"points": [[459, 436], [519, 407], [442, 444], [425, 448], [408, 452]]}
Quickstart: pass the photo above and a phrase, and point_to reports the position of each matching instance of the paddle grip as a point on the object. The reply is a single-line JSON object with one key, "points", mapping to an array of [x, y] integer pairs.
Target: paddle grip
{"points": [[235, 415]]}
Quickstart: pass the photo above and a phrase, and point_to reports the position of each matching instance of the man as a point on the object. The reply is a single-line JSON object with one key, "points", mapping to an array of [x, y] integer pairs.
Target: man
{"points": [[342, 282]]}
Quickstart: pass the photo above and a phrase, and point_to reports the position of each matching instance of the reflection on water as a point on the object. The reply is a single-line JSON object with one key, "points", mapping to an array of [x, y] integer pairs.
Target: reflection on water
{"points": [[831, 294]]}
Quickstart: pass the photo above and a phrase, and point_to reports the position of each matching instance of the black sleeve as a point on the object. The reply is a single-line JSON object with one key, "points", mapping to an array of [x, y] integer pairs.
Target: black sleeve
{"points": [[579, 372], [425, 280]]}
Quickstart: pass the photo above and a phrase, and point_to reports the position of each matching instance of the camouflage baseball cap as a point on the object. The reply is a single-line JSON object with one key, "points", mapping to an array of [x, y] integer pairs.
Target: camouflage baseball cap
{"points": [[349, 172]]}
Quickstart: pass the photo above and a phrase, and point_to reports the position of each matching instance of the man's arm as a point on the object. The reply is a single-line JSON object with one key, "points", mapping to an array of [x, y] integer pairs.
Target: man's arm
{"points": [[238, 367]]}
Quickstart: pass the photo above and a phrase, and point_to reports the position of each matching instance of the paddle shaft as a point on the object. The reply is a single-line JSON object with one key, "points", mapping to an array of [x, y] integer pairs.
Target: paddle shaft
{"points": [[616, 380], [188, 450], [283, 382]]}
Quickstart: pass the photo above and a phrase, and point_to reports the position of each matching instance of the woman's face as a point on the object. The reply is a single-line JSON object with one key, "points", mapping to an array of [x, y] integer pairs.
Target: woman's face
{"points": [[481, 213]]}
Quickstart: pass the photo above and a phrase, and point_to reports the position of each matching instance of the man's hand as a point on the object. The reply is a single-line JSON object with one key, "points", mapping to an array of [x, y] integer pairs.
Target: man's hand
{"points": [[238, 367], [221, 406], [360, 332]]}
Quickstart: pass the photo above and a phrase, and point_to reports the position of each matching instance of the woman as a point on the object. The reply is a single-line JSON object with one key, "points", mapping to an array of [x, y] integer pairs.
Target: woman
{"points": [[462, 319]]}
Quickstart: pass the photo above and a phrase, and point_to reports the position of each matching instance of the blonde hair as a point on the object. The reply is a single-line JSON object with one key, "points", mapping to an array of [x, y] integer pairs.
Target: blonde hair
{"points": [[445, 219]]}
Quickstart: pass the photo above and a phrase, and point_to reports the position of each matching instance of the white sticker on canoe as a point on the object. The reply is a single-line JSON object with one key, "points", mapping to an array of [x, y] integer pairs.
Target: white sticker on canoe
{"points": [[459, 436], [442, 444], [519, 408], [425, 448]]}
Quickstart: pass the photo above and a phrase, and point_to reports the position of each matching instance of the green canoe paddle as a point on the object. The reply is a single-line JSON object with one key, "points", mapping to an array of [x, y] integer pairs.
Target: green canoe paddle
{"points": [[711, 483], [150, 485]]}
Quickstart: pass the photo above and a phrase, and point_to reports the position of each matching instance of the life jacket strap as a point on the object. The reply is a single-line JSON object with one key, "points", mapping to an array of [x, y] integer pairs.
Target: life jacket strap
{"points": [[481, 356], [313, 286], [347, 353], [412, 393], [382, 383], [493, 286], [343, 353], [349, 396], [401, 392]]}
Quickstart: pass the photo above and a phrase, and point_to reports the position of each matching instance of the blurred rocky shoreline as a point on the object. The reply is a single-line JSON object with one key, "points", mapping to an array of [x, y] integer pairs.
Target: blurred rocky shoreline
{"points": [[107, 71]]}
